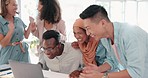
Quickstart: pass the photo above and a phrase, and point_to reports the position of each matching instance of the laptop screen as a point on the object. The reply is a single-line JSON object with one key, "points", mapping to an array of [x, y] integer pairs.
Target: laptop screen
{"points": [[26, 70]]}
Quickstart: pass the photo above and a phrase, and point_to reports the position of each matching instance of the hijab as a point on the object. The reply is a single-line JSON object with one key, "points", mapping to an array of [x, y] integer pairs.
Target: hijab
{"points": [[88, 49]]}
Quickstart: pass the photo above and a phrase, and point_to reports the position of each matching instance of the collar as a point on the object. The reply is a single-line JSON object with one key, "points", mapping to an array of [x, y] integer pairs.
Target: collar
{"points": [[4, 21], [117, 27]]}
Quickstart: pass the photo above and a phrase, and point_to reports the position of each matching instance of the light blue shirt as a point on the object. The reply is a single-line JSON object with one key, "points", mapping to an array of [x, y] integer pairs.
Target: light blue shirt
{"points": [[132, 44], [13, 52], [100, 54]]}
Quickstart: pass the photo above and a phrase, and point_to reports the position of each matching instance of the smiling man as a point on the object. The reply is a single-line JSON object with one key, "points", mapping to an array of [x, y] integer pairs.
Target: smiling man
{"points": [[59, 57], [126, 46]]}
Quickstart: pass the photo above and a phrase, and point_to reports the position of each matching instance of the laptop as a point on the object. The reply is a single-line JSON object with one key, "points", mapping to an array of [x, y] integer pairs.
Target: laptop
{"points": [[26, 70]]}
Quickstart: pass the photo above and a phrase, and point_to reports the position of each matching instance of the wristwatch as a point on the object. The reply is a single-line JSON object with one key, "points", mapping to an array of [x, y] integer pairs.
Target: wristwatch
{"points": [[105, 75]]}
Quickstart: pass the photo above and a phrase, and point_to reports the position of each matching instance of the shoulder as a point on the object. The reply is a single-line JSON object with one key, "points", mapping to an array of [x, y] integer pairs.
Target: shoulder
{"points": [[61, 23], [69, 49], [17, 19], [124, 30], [2, 20], [130, 33]]}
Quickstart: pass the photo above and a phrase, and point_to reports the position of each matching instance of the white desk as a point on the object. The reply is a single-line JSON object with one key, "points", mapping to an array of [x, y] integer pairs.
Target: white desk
{"points": [[54, 74], [47, 74]]}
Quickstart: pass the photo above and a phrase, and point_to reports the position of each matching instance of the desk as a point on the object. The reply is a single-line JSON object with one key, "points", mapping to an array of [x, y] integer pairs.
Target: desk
{"points": [[51, 74], [6, 72], [48, 74]]}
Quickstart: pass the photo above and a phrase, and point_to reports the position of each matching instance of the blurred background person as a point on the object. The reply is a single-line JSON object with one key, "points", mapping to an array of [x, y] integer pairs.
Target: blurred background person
{"points": [[49, 18], [12, 32]]}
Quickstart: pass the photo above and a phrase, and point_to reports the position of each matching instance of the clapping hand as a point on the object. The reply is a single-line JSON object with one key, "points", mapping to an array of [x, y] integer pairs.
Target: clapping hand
{"points": [[32, 24], [31, 19], [90, 71]]}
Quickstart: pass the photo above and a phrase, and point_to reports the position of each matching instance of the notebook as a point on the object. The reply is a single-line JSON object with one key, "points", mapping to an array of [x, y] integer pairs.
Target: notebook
{"points": [[26, 70]]}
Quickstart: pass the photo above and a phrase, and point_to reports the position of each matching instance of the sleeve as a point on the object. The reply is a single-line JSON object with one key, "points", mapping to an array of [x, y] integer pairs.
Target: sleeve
{"points": [[42, 61], [77, 61], [1, 29], [22, 22], [110, 61], [100, 54], [103, 56], [62, 29], [135, 50]]}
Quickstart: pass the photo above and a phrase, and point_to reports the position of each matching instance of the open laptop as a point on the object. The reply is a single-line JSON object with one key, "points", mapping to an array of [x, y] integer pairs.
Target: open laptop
{"points": [[26, 70]]}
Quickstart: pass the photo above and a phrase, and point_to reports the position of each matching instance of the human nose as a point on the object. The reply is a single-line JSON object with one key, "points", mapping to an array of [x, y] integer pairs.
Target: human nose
{"points": [[47, 52], [87, 32], [77, 36]]}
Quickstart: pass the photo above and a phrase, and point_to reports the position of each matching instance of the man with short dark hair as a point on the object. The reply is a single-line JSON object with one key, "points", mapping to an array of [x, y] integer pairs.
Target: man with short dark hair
{"points": [[59, 57], [126, 46]]}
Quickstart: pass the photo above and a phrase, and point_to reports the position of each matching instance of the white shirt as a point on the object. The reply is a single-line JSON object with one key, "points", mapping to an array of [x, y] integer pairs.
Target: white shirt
{"points": [[70, 60]]}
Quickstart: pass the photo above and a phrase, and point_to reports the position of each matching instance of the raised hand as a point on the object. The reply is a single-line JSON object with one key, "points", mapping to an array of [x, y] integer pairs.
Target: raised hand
{"points": [[33, 27], [11, 26], [31, 19]]}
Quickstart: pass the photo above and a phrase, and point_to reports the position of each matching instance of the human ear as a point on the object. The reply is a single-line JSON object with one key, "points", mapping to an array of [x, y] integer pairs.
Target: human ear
{"points": [[103, 22]]}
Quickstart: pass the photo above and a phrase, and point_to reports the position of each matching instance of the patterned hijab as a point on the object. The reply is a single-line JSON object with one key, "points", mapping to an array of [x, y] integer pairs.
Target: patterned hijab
{"points": [[88, 49]]}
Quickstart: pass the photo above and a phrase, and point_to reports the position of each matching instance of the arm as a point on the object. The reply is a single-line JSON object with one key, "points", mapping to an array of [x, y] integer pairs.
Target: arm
{"points": [[5, 40], [76, 73], [96, 74], [38, 28], [42, 61], [27, 32], [91, 71], [76, 60], [135, 55], [102, 68]]}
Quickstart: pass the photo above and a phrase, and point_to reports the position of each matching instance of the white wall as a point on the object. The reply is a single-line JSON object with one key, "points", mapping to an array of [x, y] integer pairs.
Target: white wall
{"points": [[70, 11]]}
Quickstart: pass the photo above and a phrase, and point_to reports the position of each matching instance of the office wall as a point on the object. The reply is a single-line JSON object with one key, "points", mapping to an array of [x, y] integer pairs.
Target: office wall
{"points": [[70, 12]]}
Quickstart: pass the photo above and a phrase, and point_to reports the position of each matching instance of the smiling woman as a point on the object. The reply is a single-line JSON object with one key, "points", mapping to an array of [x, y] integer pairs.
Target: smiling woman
{"points": [[12, 33]]}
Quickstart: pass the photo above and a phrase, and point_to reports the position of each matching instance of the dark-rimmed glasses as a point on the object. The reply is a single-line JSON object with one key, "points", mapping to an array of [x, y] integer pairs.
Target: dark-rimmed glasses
{"points": [[47, 49]]}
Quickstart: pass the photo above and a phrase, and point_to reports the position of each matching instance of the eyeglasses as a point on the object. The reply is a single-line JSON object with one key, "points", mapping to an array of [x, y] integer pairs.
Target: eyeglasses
{"points": [[47, 49]]}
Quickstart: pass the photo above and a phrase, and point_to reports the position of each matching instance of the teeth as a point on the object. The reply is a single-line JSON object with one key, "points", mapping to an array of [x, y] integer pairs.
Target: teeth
{"points": [[79, 39]]}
